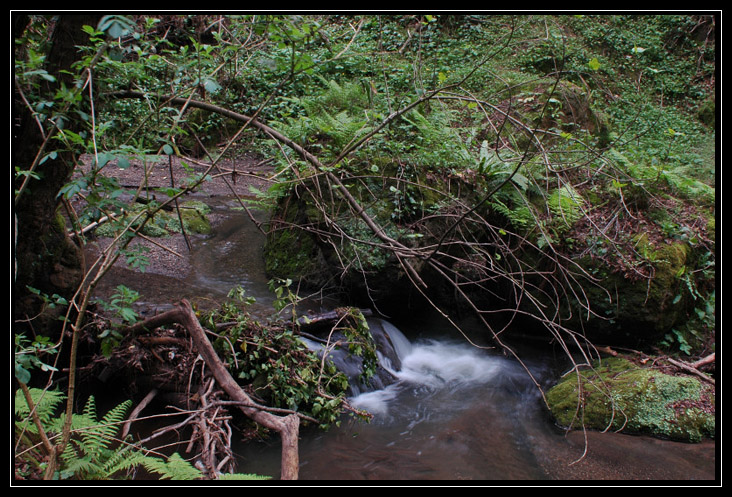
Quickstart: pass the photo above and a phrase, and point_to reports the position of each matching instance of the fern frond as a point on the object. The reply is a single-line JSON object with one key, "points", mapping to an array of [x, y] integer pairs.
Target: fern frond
{"points": [[96, 436], [78, 462], [109, 426], [45, 402], [123, 460], [566, 205], [175, 468]]}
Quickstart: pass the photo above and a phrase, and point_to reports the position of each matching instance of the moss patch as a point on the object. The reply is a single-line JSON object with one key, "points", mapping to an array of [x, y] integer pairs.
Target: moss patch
{"points": [[292, 254], [616, 394], [194, 218], [193, 214], [640, 310]]}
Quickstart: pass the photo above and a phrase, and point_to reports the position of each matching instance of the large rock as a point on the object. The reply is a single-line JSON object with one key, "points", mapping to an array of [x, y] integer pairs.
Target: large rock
{"points": [[636, 311], [619, 395]]}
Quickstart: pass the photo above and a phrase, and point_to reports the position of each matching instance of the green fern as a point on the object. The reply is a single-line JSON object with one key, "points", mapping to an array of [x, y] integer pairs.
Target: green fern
{"points": [[515, 207], [243, 476], [336, 115], [175, 468], [94, 451], [435, 141], [91, 455], [45, 401], [349, 96], [566, 205]]}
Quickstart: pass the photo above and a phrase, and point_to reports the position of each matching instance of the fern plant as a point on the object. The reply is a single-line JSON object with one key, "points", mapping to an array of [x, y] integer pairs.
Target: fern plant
{"points": [[94, 451], [566, 206], [92, 455], [45, 403], [337, 114]]}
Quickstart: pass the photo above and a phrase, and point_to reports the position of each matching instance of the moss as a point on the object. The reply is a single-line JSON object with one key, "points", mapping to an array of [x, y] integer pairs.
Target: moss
{"points": [[712, 228], [193, 214], [291, 254], [707, 112], [641, 310], [616, 394], [194, 218], [203, 208]]}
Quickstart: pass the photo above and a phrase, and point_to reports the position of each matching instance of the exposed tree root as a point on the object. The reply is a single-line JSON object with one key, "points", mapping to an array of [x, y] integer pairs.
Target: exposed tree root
{"points": [[212, 427]]}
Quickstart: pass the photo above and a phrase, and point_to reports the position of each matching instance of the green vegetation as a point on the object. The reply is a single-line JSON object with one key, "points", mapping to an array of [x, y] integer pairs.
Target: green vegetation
{"points": [[557, 168], [276, 364], [95, 451]]}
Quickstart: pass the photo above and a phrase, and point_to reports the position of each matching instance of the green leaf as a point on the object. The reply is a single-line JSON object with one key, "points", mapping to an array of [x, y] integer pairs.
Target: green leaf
{"points": [[22, 374], [211, 86], [123, 163], [72, 188], [594, 64], [116, 26]]}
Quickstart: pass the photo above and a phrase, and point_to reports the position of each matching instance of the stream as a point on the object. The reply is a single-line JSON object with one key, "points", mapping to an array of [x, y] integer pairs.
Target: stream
{"points": [[456, 412]]}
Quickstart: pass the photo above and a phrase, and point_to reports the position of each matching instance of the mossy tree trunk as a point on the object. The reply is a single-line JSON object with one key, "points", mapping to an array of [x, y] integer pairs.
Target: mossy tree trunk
{"points": [[46, 259]]}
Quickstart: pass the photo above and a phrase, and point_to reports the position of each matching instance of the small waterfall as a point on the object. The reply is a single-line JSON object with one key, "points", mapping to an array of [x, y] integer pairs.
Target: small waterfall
{"points": [[437, 368], [438, 364], [424, 370], [400, 344], [391, 347]]}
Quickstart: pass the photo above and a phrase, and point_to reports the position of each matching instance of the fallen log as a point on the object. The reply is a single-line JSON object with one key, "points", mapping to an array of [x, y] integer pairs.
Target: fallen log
{"points": [[287, 426]]}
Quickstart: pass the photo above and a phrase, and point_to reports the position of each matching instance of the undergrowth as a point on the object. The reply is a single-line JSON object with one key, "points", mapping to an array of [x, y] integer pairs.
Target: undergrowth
{"points": [[94, 452]]}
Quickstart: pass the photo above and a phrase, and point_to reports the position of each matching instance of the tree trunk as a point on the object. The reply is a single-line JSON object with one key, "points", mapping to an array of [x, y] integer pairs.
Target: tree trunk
{"points": [[45, 256]]}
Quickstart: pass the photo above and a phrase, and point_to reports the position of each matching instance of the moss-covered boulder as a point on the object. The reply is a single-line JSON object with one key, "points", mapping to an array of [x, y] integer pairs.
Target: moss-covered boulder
{"points": [[335, 248], [618, 395], [637, 310]]}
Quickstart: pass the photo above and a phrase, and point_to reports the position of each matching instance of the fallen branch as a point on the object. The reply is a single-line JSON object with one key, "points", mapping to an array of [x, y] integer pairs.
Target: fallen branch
{"points": [[137, 410], [286, 426], [689, 368], [704, 361], [325, 319]]}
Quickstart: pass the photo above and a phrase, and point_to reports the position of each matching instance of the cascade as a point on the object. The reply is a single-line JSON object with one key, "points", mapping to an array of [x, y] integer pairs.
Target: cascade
{"points": [[391, 347]]}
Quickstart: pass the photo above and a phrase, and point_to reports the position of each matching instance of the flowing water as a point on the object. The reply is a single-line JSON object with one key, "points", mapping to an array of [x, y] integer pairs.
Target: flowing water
{"points": [[455, 411], [458, 412]]}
